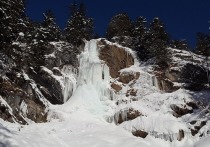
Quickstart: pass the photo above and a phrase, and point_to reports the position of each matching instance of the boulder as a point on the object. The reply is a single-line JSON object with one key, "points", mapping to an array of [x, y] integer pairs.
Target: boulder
{"points": [[140, 133]]}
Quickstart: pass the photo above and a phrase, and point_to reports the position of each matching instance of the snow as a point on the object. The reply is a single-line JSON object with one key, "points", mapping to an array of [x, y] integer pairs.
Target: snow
{"points": [[203, 142], [21, 34], [86, 117]]}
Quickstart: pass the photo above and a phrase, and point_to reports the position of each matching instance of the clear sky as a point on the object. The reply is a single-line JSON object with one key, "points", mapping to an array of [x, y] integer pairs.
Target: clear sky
{"points": [[183, 18]]}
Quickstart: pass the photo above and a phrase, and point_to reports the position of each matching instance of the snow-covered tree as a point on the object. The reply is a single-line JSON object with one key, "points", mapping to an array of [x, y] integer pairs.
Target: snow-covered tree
{"points": [[11, 20], [79, 26], [157, 40], [120, 25], [139, 34], [203, 48], [203, 44], [51, 30], [179, 44], [139, 28]]}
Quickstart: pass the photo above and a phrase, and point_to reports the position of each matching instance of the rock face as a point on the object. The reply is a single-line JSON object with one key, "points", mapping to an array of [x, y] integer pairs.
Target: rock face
{"points": [[115, 57], [62, 53], [186, 69], [49, 85], [178, 111], [19, 101], [126, 77]]}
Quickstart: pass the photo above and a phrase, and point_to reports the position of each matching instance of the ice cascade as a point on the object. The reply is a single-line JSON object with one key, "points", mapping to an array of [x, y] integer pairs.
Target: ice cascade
{"points": [[92, 92]]}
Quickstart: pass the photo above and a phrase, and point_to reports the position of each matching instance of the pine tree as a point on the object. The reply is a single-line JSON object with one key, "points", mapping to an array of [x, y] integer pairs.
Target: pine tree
{"points": [[157, 40], [139, 34], [179, 44], [120, 25], [203, 44], [11, 20], [79, 26], [139, 27], [203, 48], [49, 27]]}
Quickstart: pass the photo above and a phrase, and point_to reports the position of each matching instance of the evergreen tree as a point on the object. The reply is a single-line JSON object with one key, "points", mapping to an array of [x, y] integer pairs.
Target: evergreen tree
{"points": [[50, 29], [139, 34], [157, 40], [11, 20], [120, 25], [203, 44], [180, 44], [79, 26], [203, 48], [139, 28]]}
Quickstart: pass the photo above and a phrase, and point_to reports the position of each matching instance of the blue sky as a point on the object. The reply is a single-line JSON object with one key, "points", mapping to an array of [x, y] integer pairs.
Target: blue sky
{"points": [[183, 18]]}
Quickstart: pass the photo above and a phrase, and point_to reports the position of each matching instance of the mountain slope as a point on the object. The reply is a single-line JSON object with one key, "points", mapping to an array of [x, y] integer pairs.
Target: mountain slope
{"points": [[114, 103]]}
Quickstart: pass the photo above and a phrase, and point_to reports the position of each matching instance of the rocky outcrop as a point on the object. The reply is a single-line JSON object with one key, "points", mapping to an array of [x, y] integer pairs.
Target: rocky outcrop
{"points": [[62, 53], [126, 115], [196, 128], [20, 102], [126, 77], [178, 111], [115, 57], [48, 84]]}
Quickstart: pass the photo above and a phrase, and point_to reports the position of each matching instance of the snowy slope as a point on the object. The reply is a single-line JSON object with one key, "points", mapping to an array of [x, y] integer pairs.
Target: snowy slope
{"points": [[92, 110]]}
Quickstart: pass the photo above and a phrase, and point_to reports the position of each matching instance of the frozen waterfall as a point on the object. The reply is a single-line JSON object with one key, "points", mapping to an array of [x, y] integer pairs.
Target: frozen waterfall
{"points": [[92, 91]]}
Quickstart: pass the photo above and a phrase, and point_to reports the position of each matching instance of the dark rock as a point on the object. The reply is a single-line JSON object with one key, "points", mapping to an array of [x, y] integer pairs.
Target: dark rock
{"points": [[14, 95], [116, 87], [140, 133], [193, 122], [56, 72], [180, 135], [178, 112], [49, 85], [131, 92], [197, 128], [193, 105], [126, 115], [126, 77]]}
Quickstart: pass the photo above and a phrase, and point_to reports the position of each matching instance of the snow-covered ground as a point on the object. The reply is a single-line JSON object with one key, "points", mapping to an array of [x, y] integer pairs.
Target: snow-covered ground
{"points": [[86, 119]]}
